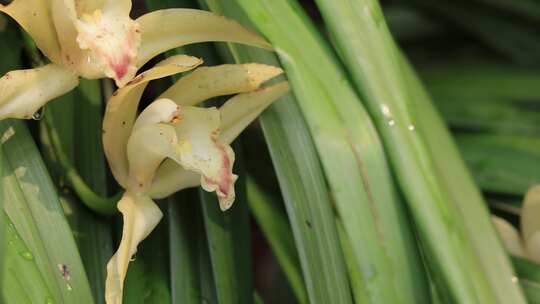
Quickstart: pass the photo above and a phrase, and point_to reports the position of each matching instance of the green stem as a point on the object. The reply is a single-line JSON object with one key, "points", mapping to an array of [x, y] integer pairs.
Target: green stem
{"points": [[97, 203]]}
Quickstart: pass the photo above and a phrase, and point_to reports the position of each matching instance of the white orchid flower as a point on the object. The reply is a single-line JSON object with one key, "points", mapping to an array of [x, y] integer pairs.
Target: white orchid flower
{"points": [[173, 144], [97, 38], [526, 243]]}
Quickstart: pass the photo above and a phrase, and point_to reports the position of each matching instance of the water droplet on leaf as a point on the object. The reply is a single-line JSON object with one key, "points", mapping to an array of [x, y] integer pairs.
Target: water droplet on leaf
{"points": [[26, 255], [39, 114]]}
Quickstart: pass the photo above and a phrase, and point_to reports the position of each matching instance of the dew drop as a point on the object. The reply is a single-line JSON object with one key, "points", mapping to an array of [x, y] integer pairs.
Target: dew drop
{"points": [[39, 114], [68, 286], [26, 255], [49, 300], [411, 127], [391, 122], [10, 242], [514, 279]]}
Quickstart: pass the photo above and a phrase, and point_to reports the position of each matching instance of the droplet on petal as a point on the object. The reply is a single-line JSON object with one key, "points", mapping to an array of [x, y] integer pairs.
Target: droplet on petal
{"points": [[113, 41]]}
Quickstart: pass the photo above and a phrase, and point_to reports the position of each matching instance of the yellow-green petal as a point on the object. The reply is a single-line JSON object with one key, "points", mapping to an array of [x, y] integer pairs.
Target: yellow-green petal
{"points": [[509, 236], [203, 153], [141, 215], [122, 109], [530, 212], [112, 40], [236, 115], [170, 178], [148, 146], [23, 92], [34, 16], [167, 29], [227, 79], [239, 111]]}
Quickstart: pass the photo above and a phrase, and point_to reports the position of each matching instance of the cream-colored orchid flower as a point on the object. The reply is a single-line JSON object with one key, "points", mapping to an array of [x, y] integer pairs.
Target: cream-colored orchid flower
{"points": [[174, 144], [527, 243], [97, 38]]}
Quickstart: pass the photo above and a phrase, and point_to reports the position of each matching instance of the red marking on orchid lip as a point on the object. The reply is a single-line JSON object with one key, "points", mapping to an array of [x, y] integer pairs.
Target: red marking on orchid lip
{"points": [[120, 68], [225, 178]]}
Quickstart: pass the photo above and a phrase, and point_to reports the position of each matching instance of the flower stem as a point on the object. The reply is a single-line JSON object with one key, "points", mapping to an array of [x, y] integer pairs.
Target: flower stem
{"points": [[97, 203]]}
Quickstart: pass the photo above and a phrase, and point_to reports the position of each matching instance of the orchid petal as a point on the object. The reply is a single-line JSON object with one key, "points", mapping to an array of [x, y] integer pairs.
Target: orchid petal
{"points": [[122, 109], [160, 111], [34, 17], [204, 154], [151, 141], [227, 79], [236, 114], [163, 30], [171, 178], [532, 247], [83, 7], [98, 38], [64, 16], [112, 39], [530, 217], [509, 236], [23, 92], [148, 146], [239, 111], [141, 215]]}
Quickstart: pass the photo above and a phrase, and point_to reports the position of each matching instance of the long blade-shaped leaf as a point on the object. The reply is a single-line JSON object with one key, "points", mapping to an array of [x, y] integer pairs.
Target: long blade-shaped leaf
{"points": [[277, 231], [480, 97], [23, 280], [11, 57], [76, 118], [184, 219], [502, 164], [32, 205], [451, 216], [371, 212], [529, 278], [462, 192], [302, 184], [228, 236]]}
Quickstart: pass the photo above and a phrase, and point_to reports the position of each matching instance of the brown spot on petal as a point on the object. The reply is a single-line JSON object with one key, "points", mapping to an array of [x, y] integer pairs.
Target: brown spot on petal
{"points": [[136, 80]]}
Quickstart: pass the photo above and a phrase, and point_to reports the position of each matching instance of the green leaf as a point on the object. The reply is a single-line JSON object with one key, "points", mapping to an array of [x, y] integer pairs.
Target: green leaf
{"points": [[185, 234], [229, 243], [11, 59], [485, 97], [529, 278], [277, 231], [302, 184], [514, 38], [453, 223], [365, 199], [502, 163], [32, 205], [76, 119], [458, 183], [23, 278]]}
